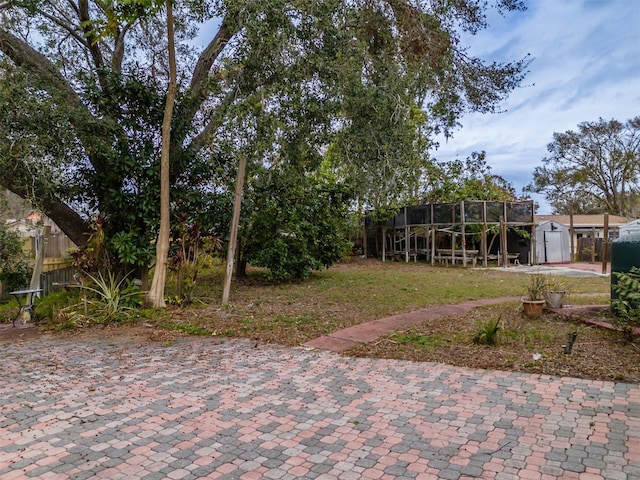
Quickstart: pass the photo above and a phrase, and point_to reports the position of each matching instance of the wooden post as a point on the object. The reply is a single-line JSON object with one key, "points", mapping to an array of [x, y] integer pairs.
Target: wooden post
{"points": [[384, 242], [464, 237], [605, 244], [533, 257], [233, 236], [394, 242], [377, 239], [593, 244], [433, 244], [364, 241], [503, 241], [37, 269], [485, 251], [407, 237], [572, 256], [484, 245]]}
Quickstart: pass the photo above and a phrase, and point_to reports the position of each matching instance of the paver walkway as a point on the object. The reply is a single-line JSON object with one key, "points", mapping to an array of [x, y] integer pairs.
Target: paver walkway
{"points": [[348, 338], [205, 408]]}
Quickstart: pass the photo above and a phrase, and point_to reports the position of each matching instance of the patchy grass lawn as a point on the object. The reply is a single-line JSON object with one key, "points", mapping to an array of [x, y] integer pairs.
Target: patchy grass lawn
{"points": [[350, 293], [358, 291]]}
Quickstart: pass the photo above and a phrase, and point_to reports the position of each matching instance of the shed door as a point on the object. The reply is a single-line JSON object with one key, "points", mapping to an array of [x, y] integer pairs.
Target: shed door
{"points": [[553, 247]]}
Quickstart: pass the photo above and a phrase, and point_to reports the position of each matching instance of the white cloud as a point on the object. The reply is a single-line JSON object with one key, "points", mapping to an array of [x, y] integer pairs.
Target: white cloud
{"points": [[585, 67]]}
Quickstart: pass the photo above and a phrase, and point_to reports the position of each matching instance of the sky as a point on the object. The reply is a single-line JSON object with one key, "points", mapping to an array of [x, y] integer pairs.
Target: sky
{"points": [[586, 66]]}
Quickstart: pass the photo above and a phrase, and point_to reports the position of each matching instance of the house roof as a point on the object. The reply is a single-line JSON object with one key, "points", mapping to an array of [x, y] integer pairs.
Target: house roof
{"points": [[542, 224], [21, 226], [583, 221]]}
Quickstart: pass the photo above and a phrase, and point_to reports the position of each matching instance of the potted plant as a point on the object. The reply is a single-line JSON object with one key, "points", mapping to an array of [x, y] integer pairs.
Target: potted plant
{"points": [[554, 293], [533, 303]]}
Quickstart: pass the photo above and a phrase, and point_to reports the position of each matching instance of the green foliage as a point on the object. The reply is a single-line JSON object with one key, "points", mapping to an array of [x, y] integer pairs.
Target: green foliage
{"points": [[627, 285], [297, 223], [457, 180], [131, 249], [50, 306], [536, 287], [106, 299], [189, 249], [488, 332], [591, 169], [370, 82], [14, 268], [626, 307]]}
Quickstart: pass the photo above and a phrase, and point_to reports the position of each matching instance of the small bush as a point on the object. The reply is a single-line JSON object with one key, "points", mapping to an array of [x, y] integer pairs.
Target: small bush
{"points": [[626, 307], [105, 299], [52, 304], [14, 268], [488, 333]]}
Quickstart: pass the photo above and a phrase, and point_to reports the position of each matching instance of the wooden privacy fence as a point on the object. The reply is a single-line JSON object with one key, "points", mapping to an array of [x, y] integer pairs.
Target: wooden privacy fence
{"points": [[50, 281], [58, 246], [590, 249], [55, 271]]}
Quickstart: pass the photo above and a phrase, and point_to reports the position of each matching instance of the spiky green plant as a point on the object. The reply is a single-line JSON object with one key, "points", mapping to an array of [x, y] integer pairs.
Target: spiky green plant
{"points": [[488, 333], [536, 287], [106, 299]]}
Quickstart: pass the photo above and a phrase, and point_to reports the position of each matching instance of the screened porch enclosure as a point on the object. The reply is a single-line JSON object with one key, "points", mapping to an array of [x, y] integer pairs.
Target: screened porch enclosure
{"points": [[471, 232]]}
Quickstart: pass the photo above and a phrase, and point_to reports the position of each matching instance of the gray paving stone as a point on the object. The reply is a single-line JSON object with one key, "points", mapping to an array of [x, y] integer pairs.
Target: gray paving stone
{"points": [[573, 466], [291, 393], [449, 474]]}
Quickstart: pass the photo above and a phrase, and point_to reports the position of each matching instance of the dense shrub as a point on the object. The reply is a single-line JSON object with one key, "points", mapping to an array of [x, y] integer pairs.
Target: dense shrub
{"points": [[14, 267]]}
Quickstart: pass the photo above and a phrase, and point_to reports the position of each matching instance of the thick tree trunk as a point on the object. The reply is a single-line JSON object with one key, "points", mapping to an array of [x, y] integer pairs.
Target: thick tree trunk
{"points": [[241, 262], [155, 297]]}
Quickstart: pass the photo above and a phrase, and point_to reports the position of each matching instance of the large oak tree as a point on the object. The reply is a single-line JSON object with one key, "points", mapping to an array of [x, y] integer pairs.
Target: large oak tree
{"points": [[277, 81]]}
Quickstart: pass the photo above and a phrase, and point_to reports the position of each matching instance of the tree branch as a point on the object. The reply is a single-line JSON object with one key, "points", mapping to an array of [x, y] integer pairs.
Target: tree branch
{"points": [[92, 41], [72, 224], [87, 126], [201, 139], [118, 50], [197, 92], [65, 27], [206, 60]]}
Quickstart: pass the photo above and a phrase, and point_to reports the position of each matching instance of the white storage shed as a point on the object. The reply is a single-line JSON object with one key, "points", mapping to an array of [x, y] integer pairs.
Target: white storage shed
{"points": [[553, 244], [629, 228]]}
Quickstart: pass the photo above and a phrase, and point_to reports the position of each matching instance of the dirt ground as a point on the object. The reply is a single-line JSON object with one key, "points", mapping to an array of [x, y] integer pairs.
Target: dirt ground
{"points": [[524, 344]]}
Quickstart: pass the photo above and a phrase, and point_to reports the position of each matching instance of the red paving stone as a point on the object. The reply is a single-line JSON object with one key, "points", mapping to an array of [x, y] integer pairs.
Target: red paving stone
{"points": [[235, 411], [348, 338], [205, 408]]}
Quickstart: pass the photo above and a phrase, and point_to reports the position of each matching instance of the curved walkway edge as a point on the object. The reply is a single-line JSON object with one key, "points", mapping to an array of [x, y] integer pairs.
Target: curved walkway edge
{"points": [[348, 338]]}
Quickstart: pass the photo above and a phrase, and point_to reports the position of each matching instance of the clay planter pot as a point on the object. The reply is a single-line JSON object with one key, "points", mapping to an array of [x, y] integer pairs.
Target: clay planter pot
{"points": [[532, 308]]}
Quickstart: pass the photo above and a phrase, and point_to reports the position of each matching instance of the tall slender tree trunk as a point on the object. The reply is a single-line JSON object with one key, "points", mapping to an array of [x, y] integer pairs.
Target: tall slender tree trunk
{"points": [[233, 236], [155, 297]]}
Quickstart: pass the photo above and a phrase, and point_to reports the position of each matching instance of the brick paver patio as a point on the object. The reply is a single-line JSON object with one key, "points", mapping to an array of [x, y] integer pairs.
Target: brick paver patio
{"points": [[205, 408]]}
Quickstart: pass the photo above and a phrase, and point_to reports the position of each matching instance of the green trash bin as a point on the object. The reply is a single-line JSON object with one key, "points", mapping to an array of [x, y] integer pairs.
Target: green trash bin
{"points": [[625, 254]]}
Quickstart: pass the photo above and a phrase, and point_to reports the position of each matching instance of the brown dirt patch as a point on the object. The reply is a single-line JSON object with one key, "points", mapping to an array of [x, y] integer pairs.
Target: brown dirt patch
{"points": [[524, 344], [360, 291]]}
